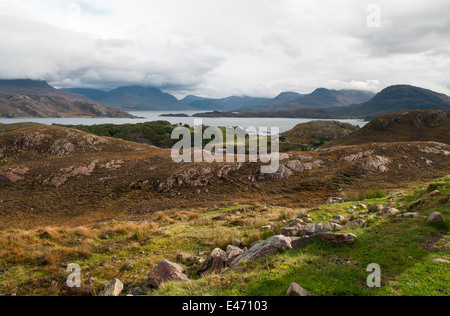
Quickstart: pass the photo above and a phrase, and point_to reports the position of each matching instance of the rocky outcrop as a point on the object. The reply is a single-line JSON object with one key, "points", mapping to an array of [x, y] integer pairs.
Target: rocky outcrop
{"points": [[166, 271], [196, 177], [290, 168], [13, 175]]}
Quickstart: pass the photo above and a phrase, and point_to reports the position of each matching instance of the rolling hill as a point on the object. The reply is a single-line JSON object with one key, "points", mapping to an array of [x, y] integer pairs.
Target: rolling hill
{"points": [[403, 127], [400, 98]]}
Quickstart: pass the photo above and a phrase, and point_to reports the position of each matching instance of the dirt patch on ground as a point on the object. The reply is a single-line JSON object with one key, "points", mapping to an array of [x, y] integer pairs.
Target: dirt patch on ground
{"points": [[436, 243]]}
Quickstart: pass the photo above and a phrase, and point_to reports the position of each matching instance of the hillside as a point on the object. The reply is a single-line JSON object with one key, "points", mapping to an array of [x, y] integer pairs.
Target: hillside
{"points": [[119, 208], [62, 171], [401, 98], [309, 136], [403, 127], [37, 88], [20, 106], [36, 98], [135, 98]]}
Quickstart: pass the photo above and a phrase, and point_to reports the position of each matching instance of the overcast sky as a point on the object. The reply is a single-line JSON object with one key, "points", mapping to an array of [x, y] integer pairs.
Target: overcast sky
{"points": [[217, 48]]}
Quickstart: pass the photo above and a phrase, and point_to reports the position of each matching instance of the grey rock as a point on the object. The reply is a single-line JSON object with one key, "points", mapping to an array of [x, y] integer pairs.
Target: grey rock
{"points": [[296, 290], [113, 288], [436, 217], [264, 249]]}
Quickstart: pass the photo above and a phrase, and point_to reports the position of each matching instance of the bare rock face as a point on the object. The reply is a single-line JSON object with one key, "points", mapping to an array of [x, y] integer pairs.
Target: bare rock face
{"points": [[376, 165], [216, 262], [13, 175], [264, 249], [113, 288], [358, 156], [166, 271], [436, 217], [290, 168], [196, 177], [296, 290]]}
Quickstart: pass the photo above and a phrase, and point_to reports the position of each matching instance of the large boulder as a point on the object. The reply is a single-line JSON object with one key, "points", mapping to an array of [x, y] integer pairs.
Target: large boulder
{"points": [[436, 217], [334, 200], [166, 271], [264, 249], [317, 228], [345, 239], [216, 262]]}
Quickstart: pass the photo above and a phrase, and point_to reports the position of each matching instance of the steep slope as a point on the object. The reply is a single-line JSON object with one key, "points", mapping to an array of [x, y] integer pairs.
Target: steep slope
{"points": [[404, 127], [402, 98], [134, 98], [20, 106]]}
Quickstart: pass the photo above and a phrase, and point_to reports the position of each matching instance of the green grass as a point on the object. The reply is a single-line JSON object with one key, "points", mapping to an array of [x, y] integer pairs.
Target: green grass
{"points": [[404, 248]]}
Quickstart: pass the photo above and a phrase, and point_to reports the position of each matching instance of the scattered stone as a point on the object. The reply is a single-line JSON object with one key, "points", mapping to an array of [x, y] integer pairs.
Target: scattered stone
{"points": [[166, 271], [441, 260], [409, 215], [136, 291], [436, 217], [113, 288], [296, 290], [216, 262], [364, 206], [376, 208], [129, 266], [237, 243], [338, 218], [357, 223], [182, 257], [334, 200]]}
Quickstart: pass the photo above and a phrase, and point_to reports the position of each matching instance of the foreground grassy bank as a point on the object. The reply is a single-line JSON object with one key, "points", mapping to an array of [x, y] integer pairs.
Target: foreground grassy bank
{"points": [[34, 262]]}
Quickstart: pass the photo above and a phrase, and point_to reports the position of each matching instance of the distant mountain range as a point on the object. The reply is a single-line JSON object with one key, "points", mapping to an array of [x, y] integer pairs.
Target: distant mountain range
{"points": [[134, 98], [322, 103], [31, 98]]}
